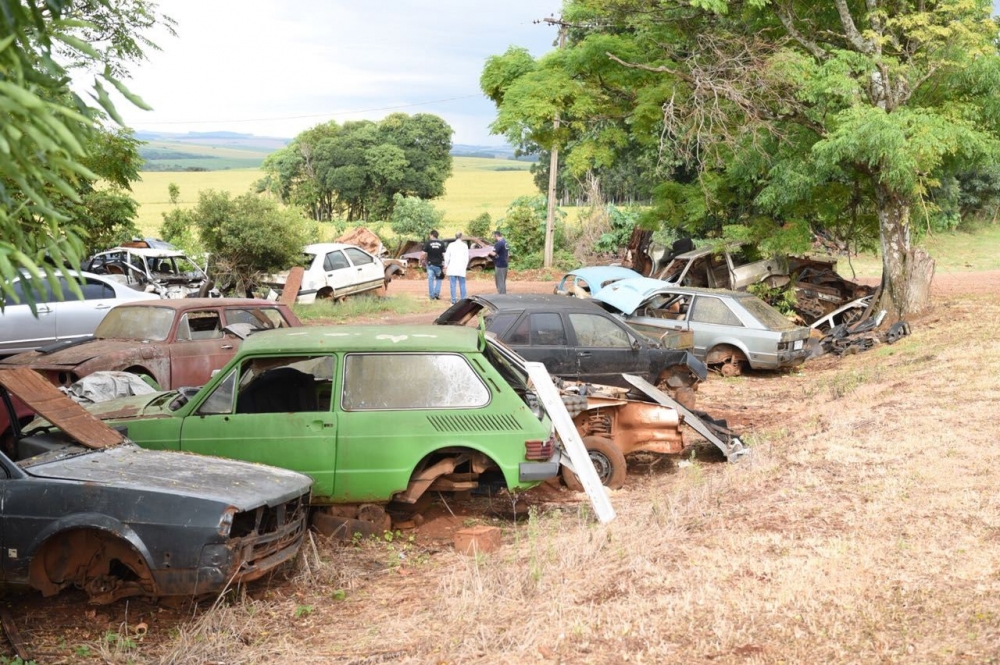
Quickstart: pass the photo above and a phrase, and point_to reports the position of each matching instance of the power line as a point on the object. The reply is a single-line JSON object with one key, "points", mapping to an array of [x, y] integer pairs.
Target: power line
{"points": [[302, 117]]}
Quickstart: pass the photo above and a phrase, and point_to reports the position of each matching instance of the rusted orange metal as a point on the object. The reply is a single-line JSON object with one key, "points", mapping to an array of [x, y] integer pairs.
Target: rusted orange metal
{"points": [[631, 424]]}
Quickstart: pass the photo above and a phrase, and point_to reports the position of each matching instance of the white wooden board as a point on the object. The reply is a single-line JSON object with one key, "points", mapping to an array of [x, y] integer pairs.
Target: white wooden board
{"points": [[573, 446]]}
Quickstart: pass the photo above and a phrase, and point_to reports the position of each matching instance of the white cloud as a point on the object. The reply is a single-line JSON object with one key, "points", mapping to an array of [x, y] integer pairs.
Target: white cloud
{"points": [[258, 66]]}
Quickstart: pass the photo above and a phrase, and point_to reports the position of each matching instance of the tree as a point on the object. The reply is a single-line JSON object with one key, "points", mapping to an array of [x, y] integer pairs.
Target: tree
{"points": [[247, 237], [357, 168], [46, 127], [412, 216], [778, 103]]}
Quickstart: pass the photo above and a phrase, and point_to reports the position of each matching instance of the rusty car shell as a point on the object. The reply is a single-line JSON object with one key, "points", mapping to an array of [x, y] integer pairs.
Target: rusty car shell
{"points": [[480, 250], [85, 507], [174, 354], [167, 272]]}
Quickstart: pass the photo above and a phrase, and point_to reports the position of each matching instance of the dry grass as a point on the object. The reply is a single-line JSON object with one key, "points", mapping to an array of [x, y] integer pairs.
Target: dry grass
{"points": [[865, 527]]}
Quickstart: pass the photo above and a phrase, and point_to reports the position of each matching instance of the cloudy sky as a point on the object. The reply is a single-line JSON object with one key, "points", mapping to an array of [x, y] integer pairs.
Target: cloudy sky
{"points": [[275, 68]]}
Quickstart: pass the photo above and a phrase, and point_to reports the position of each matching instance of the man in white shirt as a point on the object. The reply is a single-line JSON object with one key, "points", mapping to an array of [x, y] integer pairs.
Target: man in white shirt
{"points": [[456, 262]]}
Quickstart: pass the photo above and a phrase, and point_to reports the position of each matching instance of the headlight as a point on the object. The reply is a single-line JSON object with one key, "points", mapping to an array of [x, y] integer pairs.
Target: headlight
{"points": [[226, 523]]}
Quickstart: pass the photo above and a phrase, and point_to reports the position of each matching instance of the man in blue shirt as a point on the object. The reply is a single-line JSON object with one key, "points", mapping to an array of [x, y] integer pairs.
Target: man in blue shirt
{"points": [[500, 257]]}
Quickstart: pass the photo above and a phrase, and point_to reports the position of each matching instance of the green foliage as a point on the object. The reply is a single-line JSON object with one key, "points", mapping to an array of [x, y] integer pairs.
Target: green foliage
{"points": [[782, 298], [561, 260], [48, 131], [357, 168], [412, 216], [480, 227], [622, 222], [178, 225], [524, 228], [247, 237]]}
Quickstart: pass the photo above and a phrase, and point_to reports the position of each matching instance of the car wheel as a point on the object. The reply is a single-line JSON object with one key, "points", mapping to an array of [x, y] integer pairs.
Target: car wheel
{"points": [[608, 460], [726, 360]]}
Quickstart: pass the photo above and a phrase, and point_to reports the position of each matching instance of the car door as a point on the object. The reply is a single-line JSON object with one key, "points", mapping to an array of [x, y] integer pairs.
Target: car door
{"points": [[339, 272], [22, 330], [604, 349], [369, 273], [77, 318], [271, 410], [541, 337], [199, 347]]}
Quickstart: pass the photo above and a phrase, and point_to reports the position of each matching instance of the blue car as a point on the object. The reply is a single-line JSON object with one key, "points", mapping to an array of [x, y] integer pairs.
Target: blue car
{"points": [[585, 282]]}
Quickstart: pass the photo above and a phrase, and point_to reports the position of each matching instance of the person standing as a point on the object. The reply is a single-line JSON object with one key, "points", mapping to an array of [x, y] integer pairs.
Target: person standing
{"points": [[500, 256], [433, 260], [456, 262]]}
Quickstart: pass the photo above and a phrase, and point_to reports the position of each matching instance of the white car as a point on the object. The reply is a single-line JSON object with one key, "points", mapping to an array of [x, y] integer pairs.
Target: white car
{"points": [[65, 319], [334, 270], [168, 273]]}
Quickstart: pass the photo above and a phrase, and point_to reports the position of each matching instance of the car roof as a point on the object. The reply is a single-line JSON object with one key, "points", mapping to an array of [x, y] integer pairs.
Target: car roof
{"points": [[534, 301], [195, 303], [320, 247], [626, 295], [396, 338]]}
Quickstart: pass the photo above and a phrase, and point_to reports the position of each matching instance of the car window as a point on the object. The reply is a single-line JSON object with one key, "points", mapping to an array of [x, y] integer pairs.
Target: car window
{"points": [[265, 318], [499, 322], [596, 331], [358, 257], [136, 323], [45, 296], [290, 384], [199, 325], [335, 261], [769, 316], [221, 399], [708, 309], [375, 381], [94, 290], [547, 330]]}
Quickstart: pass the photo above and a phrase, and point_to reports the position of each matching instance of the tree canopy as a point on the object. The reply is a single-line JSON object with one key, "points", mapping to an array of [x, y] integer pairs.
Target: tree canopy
{"points": [[48, 131], [771, 118], [356, 169]]}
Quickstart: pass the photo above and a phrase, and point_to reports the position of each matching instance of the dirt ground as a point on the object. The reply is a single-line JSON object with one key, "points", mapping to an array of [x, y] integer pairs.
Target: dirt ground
{"points": [[864, 527]]}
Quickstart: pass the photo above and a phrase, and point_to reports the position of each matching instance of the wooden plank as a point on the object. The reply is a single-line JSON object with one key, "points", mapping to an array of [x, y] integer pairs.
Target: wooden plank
{"points": [[46, 400], [14, 635], [579, 460]]}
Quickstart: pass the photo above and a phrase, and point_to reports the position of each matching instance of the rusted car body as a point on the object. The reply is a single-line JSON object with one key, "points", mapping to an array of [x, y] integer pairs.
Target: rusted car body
{"points": [[85, 507], [167, 272], [172, 342], [479, 253]]}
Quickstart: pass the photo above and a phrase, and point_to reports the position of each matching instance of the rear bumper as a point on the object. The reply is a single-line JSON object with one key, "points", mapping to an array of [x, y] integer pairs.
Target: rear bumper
{"points": [[536, 472]]}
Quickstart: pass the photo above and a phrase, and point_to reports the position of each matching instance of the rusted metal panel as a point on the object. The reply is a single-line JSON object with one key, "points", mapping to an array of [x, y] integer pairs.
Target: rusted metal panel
{"points": [[46, 400], [292, 285]]}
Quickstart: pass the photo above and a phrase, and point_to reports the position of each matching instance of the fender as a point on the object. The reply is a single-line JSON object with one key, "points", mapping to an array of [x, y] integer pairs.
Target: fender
{"points": [[728, 341], [95, 521]]}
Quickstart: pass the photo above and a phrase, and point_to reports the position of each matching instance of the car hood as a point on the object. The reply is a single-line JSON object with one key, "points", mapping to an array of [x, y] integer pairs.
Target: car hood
{"points": [[150, 405], [463, 311], [241, 484], [72, 354], [628, 295]]}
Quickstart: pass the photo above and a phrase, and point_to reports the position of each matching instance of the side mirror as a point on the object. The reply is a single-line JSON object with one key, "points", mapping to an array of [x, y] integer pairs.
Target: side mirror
{"points": [[635, 344]]}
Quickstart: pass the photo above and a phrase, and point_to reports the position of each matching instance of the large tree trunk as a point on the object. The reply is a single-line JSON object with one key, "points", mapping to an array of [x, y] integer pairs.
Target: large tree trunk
{"points": [[906, 272]]}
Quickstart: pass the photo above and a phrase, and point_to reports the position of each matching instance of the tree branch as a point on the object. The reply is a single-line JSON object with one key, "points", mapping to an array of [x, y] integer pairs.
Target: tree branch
{"points": [[787, 20], [851, 30]]}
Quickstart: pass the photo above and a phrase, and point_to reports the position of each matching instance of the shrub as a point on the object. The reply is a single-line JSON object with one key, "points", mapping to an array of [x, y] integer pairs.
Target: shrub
{"points": [[480, 227], [413, 216]]}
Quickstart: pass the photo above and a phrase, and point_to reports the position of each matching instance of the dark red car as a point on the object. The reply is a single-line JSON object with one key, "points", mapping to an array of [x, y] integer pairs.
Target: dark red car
{"points": [[479, 253], [173, 342]]}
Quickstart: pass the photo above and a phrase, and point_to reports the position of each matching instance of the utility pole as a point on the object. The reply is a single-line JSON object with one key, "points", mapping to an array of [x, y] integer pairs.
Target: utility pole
{"points": [[553, 167]]}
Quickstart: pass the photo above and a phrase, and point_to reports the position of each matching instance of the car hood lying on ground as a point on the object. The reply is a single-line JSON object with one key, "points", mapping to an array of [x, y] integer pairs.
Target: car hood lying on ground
{"points": [[238, 484]]}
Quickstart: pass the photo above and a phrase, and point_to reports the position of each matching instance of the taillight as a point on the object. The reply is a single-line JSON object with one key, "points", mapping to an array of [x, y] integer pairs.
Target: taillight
{"points": [[537, 449]]}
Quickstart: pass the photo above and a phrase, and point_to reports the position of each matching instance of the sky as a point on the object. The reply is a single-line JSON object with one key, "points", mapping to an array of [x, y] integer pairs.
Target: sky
{"points": [[276, 68]]}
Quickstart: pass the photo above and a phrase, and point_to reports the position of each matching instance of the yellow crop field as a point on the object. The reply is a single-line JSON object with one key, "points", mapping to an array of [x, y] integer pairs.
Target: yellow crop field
{"points": [[475, 187]]}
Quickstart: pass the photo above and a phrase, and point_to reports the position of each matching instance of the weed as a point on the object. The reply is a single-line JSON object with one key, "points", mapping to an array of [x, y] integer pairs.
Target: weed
{"points": [[302, 611], [339, 594], [356, 307]]}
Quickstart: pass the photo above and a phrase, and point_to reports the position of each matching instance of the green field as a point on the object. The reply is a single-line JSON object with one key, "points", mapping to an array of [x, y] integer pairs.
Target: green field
{"points": [[476, 186]]}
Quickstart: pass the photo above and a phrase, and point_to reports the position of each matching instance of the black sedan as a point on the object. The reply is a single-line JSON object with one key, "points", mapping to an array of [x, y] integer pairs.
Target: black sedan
{"points": [[578, 340]]}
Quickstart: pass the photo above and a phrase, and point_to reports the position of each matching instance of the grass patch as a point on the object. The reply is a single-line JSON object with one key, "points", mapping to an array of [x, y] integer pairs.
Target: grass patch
{"points": [[358, 307]]}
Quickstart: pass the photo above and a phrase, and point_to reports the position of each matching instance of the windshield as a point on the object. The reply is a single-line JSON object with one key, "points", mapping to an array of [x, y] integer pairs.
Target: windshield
{"points": [[136, 323], [769, 316]]}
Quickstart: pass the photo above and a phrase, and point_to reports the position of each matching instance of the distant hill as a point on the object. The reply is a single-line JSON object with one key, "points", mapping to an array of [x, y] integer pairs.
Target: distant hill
{"points": [[216, 151]]}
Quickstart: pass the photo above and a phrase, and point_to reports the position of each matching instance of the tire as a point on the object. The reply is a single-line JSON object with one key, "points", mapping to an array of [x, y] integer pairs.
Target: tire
{"points": [[731, 362], [608, 460]]}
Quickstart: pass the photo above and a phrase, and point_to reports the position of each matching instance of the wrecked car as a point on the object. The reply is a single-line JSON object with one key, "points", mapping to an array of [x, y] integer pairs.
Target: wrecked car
{"points": [[172, 343], [585, 282], [63, 318], [373, 413], [479, 253], [168, 273], [84, 507], [576, 339], [614, 422], [334, 271], [731, 330]]}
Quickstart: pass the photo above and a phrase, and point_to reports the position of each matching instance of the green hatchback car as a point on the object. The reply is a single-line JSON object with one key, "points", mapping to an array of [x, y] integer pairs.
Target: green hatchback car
{"points": [[373, 413]]}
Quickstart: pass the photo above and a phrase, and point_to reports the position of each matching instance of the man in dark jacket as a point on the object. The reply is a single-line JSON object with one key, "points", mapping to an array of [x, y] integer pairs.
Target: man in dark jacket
{"points": [[433, 259], [500, 256]]}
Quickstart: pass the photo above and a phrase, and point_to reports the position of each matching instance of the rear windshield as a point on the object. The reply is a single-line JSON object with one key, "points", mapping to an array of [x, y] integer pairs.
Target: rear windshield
{"points": [[138, 323], [766, 314]]}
